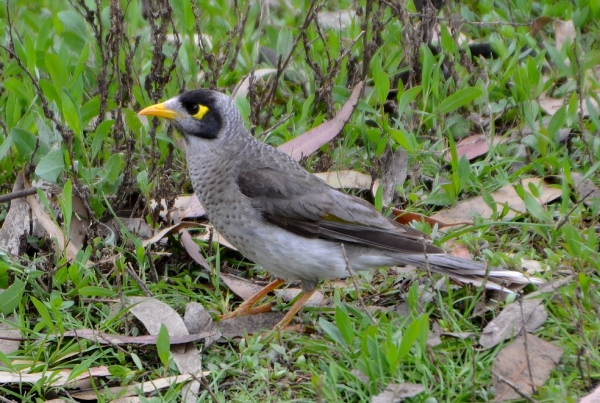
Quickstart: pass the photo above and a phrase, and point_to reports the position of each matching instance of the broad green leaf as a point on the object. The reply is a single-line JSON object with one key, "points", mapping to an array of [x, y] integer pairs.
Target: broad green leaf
{"points": [[71, 112], [458, 99], [51, 165], [17, 87], [409, 337], [163, 345], [57, 70], [47, 320], [342, 320], [332, 331], [100, 135], [10, 298], [94, 291], [407, 97]]}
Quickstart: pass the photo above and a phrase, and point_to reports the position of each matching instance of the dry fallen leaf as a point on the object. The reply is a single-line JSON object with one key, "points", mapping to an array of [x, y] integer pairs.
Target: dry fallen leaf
{"points": [[9, 336], [406, 217], [513, 363], [509, 322], [198, 320], [290, 293], [346, 179], [538, 24], [395, 171], [152, 313], [116, 339], [312, 140], [168, 231], [464, 211], [136, 388], [564, 31], [15, 228], [593, 397], [51, 377], [585, 187], [241, 287], [475, 146], [397, 392], [248, 324], [241, 90]]}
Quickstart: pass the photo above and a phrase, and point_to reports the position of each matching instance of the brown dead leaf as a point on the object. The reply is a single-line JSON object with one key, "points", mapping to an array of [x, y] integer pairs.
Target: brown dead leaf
{"points": [[52, 378], [241, 90], [395, 171], [198, 320], [9, 336], [397, 392], [346, 179], [506, 195], [312, 140], [51, 228], [136, 388], [585, 187], [510, 321], [79, 222], [248, 324], [193, 249], [115, 339], [564, 31], [513, 363], [551, 105], [14, 231], [406, 217], [475, 146], [241, 287], [593, 397], [168, 231], [216, 237], [538, 24], [152, 313], [290, 293]]}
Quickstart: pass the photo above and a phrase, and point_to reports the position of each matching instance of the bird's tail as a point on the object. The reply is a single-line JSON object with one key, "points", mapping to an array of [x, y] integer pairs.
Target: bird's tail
{"points": [[468, 271]]}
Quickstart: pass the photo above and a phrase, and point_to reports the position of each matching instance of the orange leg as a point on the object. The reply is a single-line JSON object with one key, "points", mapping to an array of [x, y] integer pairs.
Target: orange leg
{"points": [[246, 307], [294, 309]]}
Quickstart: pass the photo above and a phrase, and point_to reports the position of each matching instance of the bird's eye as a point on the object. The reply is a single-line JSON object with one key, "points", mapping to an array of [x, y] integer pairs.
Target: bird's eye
{"points": [[192, 109], [196, 110]]}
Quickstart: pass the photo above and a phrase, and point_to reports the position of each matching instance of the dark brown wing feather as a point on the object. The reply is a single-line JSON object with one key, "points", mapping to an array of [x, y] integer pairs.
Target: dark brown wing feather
{"points": [[307, 206]]}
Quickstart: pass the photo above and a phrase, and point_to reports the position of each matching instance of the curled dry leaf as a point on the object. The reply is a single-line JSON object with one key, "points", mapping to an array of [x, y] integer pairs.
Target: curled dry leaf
{"points": [[312, 140], [513, 364], [530, 313], [538, 24], [198, 320], [14, 231], [216, 237], [585, 187], [564, 31], [395, 171], [168, 231], [290, 293], [241, 90]]}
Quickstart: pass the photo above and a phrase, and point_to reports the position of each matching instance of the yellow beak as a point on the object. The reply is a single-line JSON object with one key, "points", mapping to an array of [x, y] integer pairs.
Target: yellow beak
{"points": [[159, 110]]}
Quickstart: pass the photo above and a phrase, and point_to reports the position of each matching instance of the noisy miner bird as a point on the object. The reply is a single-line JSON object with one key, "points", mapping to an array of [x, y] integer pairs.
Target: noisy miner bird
{"points": [[285, 219]]}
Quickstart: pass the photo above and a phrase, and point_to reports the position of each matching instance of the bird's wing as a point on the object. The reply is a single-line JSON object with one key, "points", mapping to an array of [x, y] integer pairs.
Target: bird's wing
{"points": [[302, 203]]}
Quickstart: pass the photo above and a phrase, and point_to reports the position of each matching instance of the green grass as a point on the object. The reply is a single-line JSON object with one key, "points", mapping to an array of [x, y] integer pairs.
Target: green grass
{"points": [[73, 77]]}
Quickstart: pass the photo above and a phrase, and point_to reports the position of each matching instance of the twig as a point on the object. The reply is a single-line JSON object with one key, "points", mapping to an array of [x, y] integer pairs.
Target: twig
{"points": [[566, 217], [358, 296], [525, 344], [138, 280], [18, 194]]}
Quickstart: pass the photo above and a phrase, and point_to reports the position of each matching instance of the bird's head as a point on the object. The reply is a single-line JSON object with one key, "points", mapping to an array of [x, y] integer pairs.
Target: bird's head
{"points": [[202, 116]]}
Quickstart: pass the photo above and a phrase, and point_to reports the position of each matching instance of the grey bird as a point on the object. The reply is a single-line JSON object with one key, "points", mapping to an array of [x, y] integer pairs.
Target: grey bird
{"points": [[288, 221]]}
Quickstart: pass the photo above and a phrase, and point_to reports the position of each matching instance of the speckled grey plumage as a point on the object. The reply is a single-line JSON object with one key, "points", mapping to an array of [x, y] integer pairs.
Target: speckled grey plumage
{"points": [[289, 221]]}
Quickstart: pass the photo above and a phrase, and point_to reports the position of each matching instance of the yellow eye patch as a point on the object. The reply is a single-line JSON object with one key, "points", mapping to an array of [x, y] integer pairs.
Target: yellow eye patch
{"points": [[202, 110]]}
